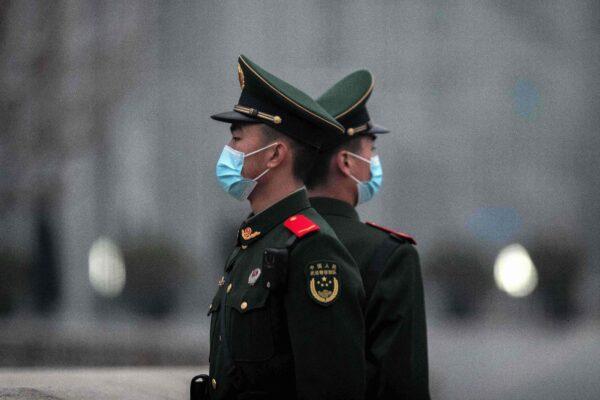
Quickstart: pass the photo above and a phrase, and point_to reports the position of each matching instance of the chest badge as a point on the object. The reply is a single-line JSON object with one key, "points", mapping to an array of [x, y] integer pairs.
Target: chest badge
{"points": [[254, 275], [323, 282], [221, 281]]}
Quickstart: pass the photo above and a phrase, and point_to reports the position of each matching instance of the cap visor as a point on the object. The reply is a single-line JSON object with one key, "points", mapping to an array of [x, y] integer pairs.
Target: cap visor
{"points": [[234, 116], [378, 129]]}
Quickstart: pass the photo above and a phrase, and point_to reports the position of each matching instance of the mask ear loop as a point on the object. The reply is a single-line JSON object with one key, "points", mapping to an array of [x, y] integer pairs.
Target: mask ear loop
{"points": [[359, 157], [259, 150], [256, 151], [261, 175], [354, 178]]}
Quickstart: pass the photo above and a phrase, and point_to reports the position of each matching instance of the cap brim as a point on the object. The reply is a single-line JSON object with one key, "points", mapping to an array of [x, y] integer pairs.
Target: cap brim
{"points": [[378, 129], [234, 116]]}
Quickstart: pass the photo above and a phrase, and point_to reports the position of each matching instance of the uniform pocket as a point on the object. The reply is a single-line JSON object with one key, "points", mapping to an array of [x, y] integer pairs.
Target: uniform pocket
{"points": [[251, 335]]}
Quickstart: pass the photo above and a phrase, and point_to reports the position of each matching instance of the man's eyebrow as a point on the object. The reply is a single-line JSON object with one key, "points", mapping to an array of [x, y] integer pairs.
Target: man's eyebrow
{"points": [[236, 126]]}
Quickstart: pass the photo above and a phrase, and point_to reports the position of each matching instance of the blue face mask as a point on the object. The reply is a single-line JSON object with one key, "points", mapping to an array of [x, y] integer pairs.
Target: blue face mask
{"points": [[368, 189], [229, 172]]}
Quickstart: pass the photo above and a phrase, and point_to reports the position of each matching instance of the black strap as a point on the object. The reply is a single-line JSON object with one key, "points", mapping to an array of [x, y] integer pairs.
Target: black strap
{"points": [[381, 255], [275, 266]]}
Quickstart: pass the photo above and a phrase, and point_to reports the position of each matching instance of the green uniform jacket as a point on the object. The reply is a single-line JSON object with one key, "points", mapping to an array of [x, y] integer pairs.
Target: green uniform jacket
{"points": [[288, 335], [396, 342]]}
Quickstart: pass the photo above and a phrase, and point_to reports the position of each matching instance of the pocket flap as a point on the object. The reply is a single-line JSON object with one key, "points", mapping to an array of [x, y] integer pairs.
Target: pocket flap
{"points": [[254, 297]]}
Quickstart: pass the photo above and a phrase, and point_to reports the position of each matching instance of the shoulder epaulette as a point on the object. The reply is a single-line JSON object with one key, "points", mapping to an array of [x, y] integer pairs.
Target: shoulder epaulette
{"points": [[400, 235], [300, 225]]}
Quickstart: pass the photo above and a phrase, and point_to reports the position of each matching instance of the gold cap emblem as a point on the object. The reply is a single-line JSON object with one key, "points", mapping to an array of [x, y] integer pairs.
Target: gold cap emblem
{"points": [[241, 77]]}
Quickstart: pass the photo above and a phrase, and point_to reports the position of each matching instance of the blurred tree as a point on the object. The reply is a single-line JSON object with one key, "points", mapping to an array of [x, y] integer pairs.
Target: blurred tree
{"points": [[13, 271], [44, 271], [559, 262], [155, 270], [457, 267]]}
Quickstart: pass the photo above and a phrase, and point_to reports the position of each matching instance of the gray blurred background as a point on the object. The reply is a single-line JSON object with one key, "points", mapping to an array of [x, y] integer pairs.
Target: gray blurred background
{"points": [[114, 229]]}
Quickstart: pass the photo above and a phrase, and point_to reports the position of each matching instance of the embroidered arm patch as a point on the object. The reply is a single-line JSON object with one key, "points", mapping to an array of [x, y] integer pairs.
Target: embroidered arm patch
{"points": [[323, 282]]}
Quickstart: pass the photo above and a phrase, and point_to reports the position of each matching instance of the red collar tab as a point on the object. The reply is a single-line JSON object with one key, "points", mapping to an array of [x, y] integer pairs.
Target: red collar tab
{"points": [[401, 235], [300, 225]]}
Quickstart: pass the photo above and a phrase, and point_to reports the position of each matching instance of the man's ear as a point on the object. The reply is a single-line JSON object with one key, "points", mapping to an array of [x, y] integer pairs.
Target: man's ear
{"points": [[279, 153], [342, 162]]}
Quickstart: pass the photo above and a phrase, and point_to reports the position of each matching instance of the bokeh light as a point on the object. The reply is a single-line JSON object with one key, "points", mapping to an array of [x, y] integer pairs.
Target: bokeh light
{"points": [[106, 268], [514, 272]]}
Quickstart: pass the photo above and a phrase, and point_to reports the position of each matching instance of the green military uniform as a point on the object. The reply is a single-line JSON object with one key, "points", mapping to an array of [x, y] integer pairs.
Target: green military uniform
{"points": [[287, 318], [396, 341]]}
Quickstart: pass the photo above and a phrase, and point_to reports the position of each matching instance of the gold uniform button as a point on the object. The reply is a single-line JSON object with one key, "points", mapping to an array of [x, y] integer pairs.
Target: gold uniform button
{"points": [[244, 305], [229, 287], [214, 383]]}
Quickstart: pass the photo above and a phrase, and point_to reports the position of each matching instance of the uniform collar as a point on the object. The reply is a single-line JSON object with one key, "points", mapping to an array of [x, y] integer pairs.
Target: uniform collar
{"points": [[256, 226], [331, 206]]}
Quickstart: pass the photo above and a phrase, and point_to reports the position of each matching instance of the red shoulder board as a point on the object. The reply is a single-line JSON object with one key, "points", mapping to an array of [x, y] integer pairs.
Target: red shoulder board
{"points": [[300, 225], [401, 235]]}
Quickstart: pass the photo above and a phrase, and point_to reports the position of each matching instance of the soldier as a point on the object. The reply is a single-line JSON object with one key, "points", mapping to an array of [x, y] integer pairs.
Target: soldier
{"points": [[348, 173], [287, 319]]}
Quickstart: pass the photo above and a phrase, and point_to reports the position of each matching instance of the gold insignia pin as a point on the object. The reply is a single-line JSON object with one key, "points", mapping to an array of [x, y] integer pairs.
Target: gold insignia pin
{"points": [[248, 234]]}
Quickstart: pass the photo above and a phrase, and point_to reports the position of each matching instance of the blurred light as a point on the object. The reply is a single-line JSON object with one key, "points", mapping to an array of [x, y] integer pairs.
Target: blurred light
{"points": [[106, 268], [514, 271]]}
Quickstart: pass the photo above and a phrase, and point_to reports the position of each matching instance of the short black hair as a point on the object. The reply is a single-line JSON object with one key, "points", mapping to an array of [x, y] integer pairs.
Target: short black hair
{"points": [[320, 172], [304, 155]]}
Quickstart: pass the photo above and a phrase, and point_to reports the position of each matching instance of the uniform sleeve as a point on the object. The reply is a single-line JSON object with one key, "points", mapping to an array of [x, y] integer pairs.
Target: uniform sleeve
{"points": [[327, 339], [395, 317]]}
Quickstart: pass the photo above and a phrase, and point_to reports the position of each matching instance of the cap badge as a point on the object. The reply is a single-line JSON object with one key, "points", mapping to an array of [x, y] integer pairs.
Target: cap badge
{"points": [[241, 77]]}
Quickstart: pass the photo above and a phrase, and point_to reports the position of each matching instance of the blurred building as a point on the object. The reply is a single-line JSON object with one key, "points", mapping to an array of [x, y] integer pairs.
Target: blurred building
{"points": [[105, 134]]}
